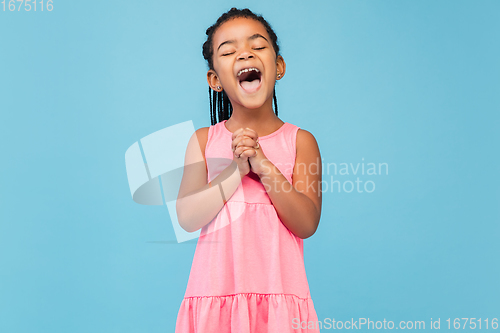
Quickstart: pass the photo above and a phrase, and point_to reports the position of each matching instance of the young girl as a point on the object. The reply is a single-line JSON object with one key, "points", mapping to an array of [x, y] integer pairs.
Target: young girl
{"points": [[254, 195]]}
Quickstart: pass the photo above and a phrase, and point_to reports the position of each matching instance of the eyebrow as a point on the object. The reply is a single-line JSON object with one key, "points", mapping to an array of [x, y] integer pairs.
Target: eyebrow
{"points": [[254, 36]]}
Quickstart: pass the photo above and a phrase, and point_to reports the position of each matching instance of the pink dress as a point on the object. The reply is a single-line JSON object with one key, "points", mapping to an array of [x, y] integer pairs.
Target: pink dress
{"points": [[248, 271]]}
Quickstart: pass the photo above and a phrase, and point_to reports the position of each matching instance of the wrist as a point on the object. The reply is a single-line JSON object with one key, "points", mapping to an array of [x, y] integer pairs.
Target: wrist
{"points": [[266, 167], [240, 171]]}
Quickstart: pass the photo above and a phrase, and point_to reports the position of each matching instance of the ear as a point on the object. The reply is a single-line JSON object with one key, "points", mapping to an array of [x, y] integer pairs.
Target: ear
{"points": [[280, 67], [213, 81]]}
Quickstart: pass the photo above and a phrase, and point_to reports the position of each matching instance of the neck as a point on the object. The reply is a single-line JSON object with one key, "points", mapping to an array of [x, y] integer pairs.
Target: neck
{"points": [[263, 120]]}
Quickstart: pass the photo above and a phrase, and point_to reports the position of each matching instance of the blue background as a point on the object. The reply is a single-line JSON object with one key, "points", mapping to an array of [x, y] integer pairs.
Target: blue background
{"points": [[414, 84]]}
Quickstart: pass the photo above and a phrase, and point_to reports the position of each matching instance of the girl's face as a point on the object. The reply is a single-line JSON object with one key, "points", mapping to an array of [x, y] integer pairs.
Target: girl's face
{"points": [[245, 63]]}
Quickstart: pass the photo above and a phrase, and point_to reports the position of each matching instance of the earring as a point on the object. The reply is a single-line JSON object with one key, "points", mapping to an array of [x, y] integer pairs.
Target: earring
{"points": [[279, 76], [218, 87]]}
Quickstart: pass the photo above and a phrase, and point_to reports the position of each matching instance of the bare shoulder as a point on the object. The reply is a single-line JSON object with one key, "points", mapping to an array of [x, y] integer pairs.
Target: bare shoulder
{"points": [[308, 157], [203, 131], [195, 151], [307, 171], [306, 142], [202, 136], [195, 170]]}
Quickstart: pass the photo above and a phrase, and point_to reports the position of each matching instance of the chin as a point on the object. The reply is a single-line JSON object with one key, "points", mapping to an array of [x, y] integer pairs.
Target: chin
{"points": [[258, 99], [252, 104]]}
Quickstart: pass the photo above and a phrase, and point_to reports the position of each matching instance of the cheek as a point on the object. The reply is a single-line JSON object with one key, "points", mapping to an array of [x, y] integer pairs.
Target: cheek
{"points": [[272, 72], [225, 72]]}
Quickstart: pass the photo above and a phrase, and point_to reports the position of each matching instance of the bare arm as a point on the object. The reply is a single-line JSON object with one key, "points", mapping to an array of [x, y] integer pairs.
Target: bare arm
{"points": [[298, 205], [198, 202]]}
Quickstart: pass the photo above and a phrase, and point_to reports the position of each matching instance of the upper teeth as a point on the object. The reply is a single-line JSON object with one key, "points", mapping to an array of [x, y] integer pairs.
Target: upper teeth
{"points": [[247, 70]]}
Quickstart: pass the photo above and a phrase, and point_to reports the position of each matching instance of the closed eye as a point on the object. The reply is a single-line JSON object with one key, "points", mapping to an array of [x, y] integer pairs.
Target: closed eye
{"points": [[257, 48]]}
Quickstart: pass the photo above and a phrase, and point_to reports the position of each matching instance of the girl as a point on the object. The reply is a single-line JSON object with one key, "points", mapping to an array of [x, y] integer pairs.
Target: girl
{"points": [[248, 185]]}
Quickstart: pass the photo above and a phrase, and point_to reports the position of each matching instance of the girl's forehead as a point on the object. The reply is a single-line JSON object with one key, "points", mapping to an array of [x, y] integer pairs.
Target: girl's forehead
{"points": [[239, 27]]}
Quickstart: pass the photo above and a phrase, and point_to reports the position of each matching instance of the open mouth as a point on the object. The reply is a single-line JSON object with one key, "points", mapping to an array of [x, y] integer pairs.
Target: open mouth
{"points": [[250, 79]]}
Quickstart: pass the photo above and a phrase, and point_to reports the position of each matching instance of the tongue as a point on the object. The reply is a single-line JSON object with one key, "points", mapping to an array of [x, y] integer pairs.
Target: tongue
{"points": [[250, 85]]}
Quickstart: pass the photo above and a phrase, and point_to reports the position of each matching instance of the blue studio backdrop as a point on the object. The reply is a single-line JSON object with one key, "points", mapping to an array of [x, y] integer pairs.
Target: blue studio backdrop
{"points": [[406, 89]]}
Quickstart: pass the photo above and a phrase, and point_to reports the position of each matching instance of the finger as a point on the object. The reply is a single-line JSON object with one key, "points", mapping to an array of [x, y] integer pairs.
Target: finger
{"points": [[250, 133], [243, 158], [243, 135], [249, 152], [238, 151], [241, 150], [248, 142], [235, 133], [235, 142], [242, 140]]}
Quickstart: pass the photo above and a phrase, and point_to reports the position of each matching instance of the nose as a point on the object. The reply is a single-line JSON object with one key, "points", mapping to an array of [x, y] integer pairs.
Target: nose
{"points": [[245, 55]]}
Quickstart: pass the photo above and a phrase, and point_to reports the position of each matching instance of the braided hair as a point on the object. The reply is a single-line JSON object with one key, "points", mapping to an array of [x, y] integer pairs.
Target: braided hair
{"points": [[220, 105]]}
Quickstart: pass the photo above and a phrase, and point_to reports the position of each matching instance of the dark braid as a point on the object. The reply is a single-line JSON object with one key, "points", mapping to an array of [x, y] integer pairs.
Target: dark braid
{"points": [[212, 114], [275, 101], [220, 105]]}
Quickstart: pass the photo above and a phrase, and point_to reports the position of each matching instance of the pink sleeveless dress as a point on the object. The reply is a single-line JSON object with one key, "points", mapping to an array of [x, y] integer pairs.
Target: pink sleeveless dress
{"points": [[248, 273]]}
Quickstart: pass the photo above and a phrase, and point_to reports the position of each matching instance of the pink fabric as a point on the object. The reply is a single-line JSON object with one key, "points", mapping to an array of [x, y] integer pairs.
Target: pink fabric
{"points": [[248, 271]]}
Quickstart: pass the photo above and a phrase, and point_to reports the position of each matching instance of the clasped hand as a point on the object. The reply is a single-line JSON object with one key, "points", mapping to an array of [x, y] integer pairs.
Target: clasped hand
{"points": [[247, 153]]}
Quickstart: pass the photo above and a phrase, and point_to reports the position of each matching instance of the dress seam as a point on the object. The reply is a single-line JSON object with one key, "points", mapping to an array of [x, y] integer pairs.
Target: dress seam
{"points": [[232, 295], [265, 137], [250, 203]]}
